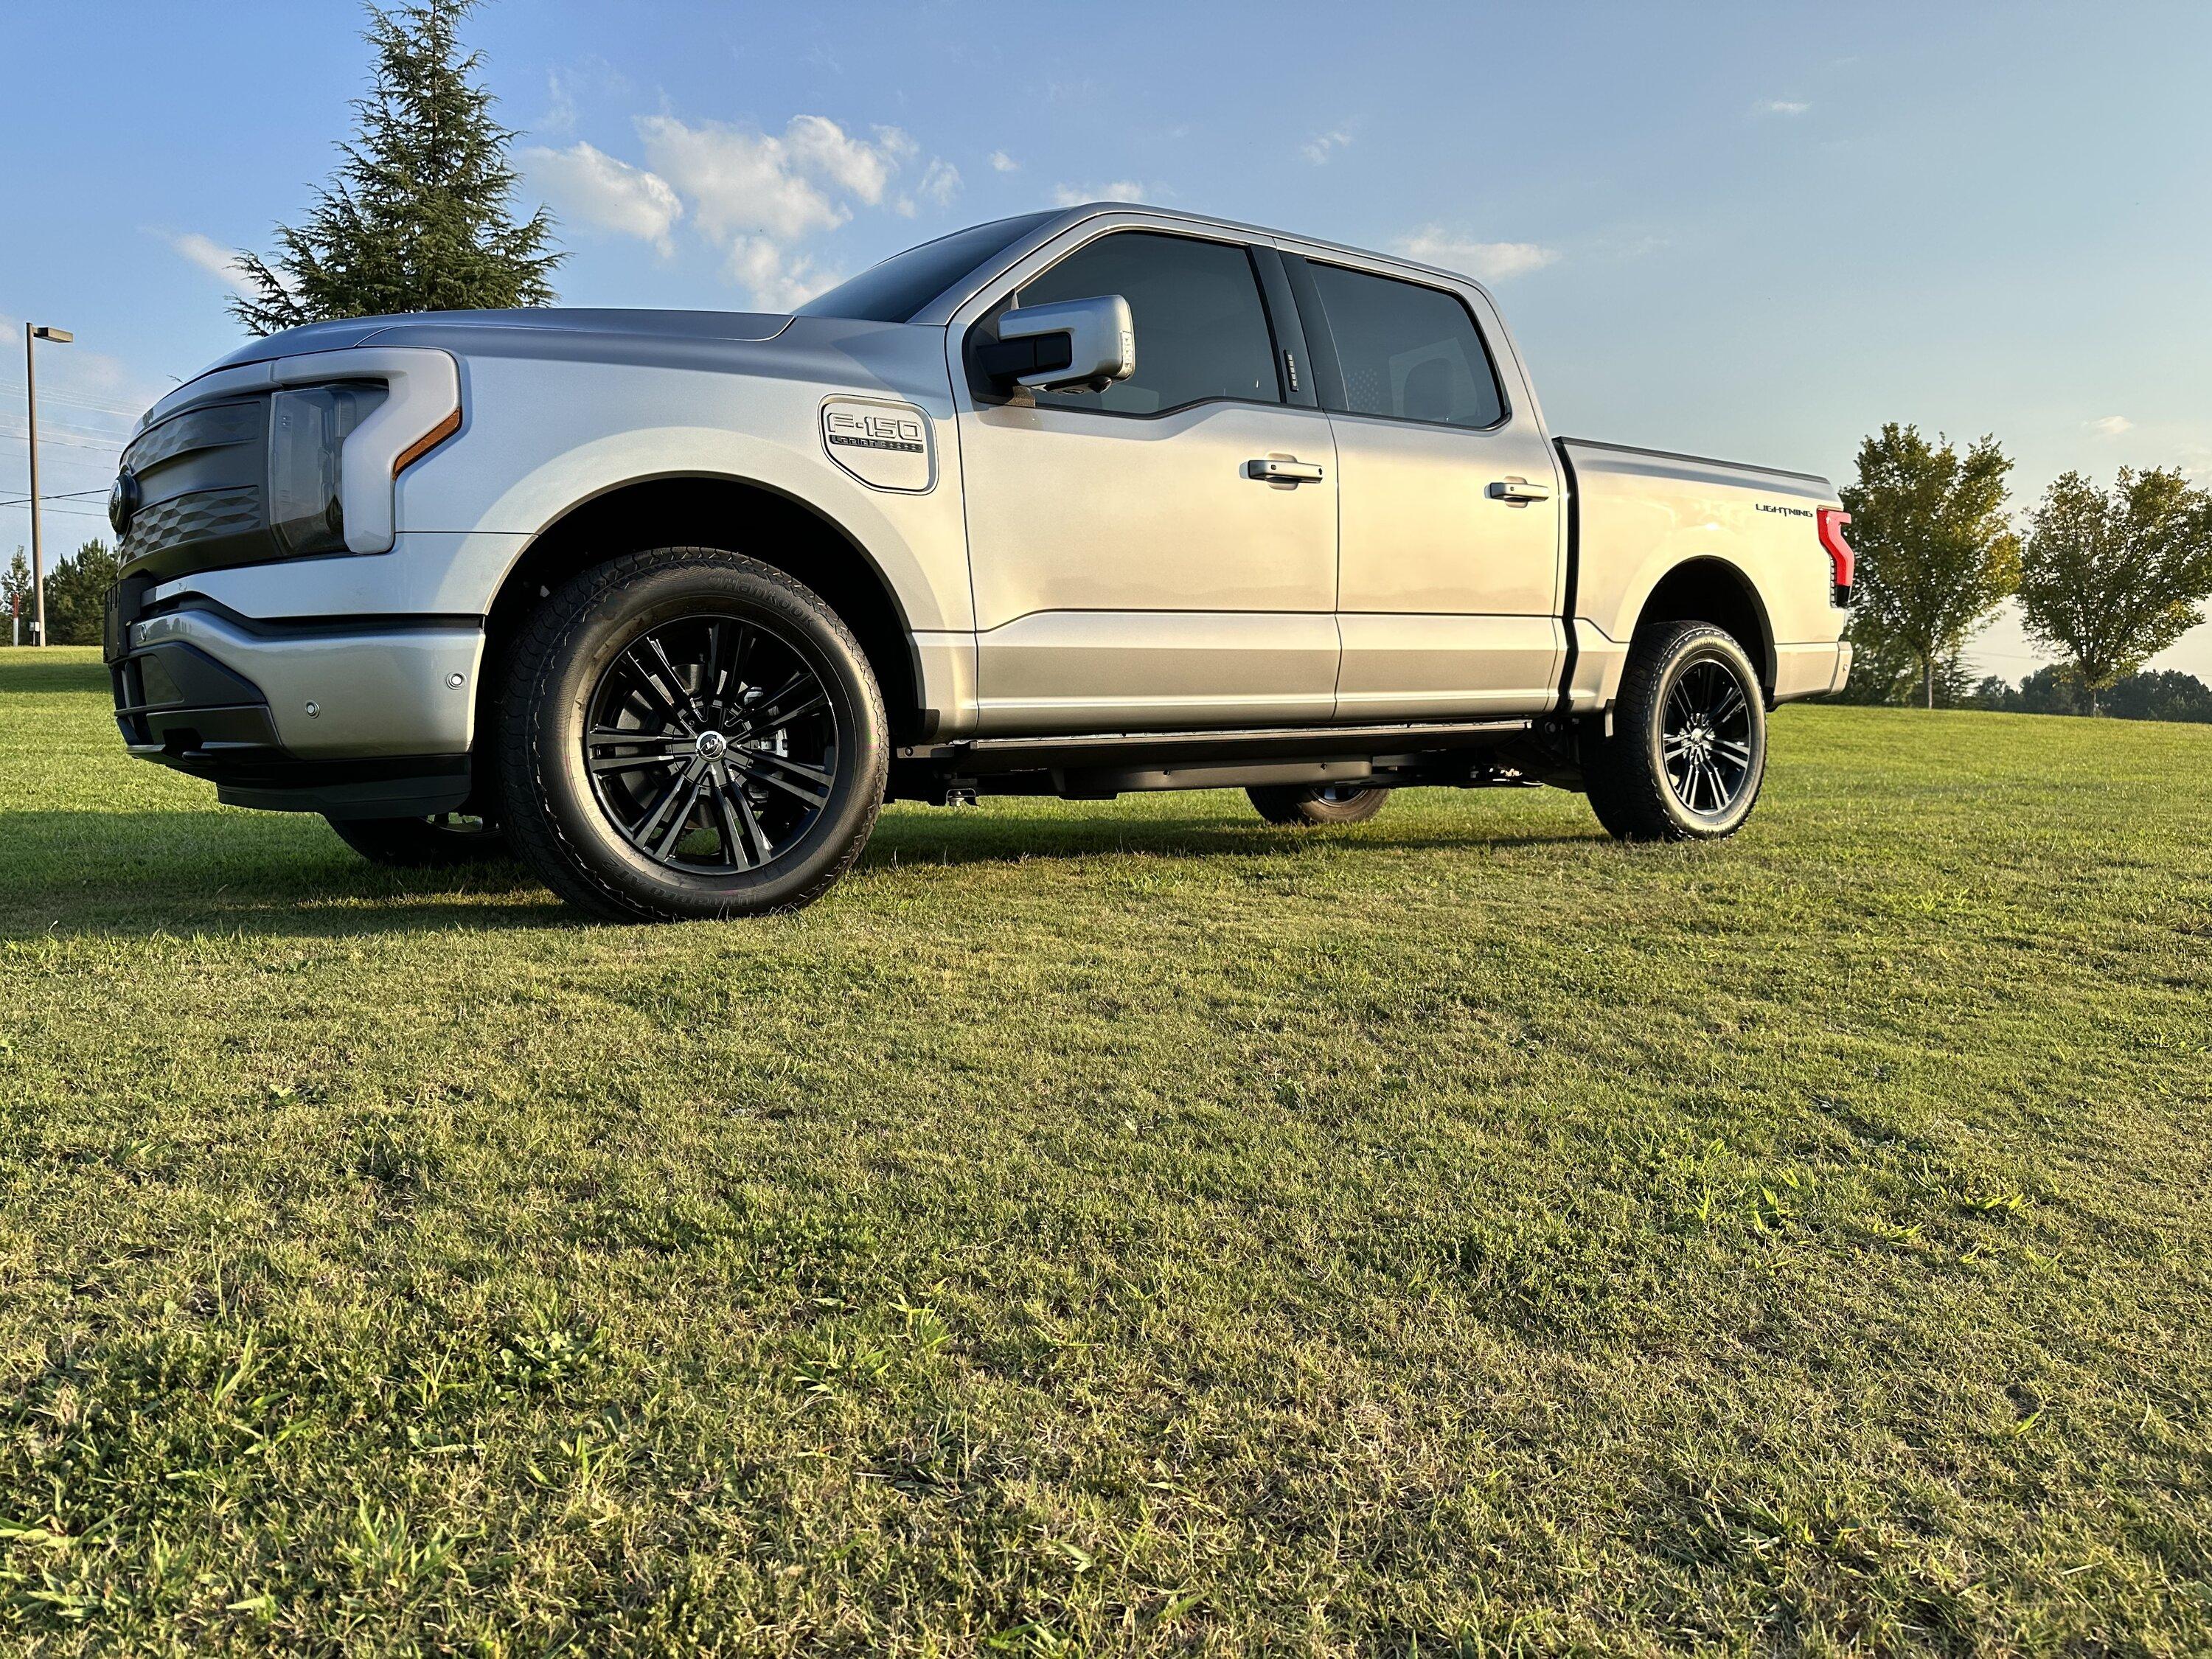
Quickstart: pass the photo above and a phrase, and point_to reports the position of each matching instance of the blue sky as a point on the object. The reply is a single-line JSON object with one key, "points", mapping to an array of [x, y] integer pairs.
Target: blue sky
{"points": [[1755, 231]]}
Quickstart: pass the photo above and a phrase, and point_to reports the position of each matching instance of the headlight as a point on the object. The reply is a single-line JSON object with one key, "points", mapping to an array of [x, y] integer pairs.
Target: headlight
{"points": [[308, 430]]}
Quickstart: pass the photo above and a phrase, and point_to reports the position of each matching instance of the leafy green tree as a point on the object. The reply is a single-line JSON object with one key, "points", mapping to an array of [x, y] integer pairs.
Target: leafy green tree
{"points": [[1994, 692], [1885, 670], [2166, 695], [15, 594], [76, 594], [2051, 690], [418, 216], [1935, 555], [2116, 576]]}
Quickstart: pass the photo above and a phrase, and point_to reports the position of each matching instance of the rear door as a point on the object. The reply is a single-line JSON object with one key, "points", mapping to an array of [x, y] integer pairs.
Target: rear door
{"points": [[1133, 567], [1451, 502]]}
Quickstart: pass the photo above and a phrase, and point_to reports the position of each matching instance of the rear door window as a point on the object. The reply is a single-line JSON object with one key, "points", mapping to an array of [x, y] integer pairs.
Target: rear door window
{"points": [[1407, 351]]}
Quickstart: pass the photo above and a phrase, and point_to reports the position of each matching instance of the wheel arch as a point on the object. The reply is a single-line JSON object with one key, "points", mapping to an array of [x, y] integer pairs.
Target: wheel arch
{"points": [[742, 515], [1709, 589]]}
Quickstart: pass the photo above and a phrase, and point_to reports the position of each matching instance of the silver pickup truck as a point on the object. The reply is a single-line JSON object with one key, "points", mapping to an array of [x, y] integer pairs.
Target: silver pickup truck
{"points": [[1097, 500]]}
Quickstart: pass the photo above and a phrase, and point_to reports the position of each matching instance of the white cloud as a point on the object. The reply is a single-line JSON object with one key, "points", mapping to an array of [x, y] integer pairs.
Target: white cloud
{"points": [[819, 146], [560, 115], [2111, 426], [1318, 149], [1779, 107], [592, 187], [744, 181], [940, 183], [738, 182], [761, 195], [1002, 162], [1434, 246], [211, 255], [1122, 190], [781, 278]]}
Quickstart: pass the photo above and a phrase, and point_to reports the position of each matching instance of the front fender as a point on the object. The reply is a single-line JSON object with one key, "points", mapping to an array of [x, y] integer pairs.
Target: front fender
{"points": [[542, 438]]}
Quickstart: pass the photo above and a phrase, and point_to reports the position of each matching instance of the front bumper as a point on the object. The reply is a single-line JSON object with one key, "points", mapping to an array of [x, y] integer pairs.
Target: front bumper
{"points": [[363, 719]]}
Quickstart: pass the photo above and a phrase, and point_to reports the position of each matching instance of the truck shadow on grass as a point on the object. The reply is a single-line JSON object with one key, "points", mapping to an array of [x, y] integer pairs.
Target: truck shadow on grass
{"points": [[136, 874]]}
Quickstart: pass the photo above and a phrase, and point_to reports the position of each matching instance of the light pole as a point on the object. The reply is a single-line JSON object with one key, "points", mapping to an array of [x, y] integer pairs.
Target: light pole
{"points": [[59, 337]]}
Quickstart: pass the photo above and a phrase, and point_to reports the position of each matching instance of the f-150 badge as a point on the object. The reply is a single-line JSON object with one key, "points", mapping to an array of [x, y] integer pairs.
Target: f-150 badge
{"points": [[883, 445]]}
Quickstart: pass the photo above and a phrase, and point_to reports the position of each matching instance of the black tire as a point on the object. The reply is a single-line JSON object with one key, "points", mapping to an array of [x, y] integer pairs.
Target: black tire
{"points": [[761, 829], [1688, 750], [437, 843], [1302, 804]]}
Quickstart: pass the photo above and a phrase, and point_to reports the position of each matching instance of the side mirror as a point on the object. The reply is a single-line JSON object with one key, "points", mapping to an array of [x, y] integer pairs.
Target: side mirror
{"points": [[1064, 346]]}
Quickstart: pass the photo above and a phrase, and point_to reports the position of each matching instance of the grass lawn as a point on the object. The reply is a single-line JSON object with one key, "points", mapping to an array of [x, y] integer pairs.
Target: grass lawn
{"points": [[1104, 1228]]}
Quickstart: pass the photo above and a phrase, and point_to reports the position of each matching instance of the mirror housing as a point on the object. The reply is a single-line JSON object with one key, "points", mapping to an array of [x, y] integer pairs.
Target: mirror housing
{"points": [[1068, 345]]}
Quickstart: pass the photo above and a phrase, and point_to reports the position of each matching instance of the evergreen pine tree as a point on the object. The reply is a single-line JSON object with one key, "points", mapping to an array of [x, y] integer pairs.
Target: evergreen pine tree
{"points": [[418, 215]]}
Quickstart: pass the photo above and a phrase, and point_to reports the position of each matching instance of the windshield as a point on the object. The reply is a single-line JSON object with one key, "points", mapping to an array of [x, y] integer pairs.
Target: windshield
{"points": [[894, 291]]}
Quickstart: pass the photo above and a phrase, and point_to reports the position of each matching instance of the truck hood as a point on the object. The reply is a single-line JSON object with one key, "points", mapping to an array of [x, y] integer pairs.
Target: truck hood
{"points": [[429, 328]]}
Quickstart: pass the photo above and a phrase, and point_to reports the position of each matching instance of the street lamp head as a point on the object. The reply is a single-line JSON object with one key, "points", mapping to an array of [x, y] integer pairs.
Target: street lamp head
{"points": [[58, 336]]}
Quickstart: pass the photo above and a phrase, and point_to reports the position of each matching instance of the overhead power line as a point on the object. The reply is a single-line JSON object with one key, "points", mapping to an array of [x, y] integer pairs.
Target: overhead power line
{"points": [[59, 495], [78, 511]]}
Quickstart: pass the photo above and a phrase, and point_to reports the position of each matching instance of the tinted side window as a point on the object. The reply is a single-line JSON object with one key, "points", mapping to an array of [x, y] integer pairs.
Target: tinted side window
{"points": [[1406, 351], [1201, 330]]}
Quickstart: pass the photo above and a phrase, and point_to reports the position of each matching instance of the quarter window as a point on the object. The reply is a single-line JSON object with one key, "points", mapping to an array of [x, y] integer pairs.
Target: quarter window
{"points": [[1202, 330], [1407, 351]]}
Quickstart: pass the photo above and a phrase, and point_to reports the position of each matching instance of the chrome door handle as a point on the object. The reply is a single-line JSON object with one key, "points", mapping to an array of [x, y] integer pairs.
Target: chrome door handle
{"points": [[1519, 489], [1277, 469]]}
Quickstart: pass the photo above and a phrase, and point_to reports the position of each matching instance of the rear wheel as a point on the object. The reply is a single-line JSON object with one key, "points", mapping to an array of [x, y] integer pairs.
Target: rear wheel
{"points": [[690, 734], [1687, 753], [422, 844], [1313, 804]]}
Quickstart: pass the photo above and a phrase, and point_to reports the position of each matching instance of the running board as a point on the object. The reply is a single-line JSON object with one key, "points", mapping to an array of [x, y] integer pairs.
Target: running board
{"points": [[976, 756]]}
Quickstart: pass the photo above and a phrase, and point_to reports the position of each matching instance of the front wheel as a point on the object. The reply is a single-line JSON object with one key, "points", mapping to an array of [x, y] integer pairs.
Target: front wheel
{"points": [[1295, 805], [689, 733], [1687, 752]]}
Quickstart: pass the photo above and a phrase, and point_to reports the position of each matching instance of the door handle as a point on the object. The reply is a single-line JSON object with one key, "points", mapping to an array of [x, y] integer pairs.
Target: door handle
{"points": [[1281, 469], [1519, 489]]}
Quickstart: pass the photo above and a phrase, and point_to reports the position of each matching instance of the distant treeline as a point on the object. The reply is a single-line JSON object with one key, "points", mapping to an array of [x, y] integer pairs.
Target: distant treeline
{"points": [[1881, 674], [77, 595], [2167, 695]]}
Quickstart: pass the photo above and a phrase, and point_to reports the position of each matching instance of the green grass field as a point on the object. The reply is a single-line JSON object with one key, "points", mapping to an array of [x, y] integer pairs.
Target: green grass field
{"points": [[1124, 1228]]}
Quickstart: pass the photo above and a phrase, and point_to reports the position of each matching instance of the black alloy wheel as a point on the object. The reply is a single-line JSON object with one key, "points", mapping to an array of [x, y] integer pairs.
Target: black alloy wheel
{"points": [[1706, 736], [1686, 753], [712, 745], [689, 733]]}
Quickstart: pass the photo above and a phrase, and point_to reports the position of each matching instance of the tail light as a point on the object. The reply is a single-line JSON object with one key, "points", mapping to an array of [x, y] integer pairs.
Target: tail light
{"points": [[1832, 520]]}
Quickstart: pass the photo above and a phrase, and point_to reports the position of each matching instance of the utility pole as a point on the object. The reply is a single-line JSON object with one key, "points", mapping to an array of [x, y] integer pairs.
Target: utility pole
{"points": [[59, 337]]}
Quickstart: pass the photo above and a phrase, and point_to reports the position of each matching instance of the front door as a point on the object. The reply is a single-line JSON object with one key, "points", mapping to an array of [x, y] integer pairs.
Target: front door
{"points": [[1451, 594], [1133, 567]]}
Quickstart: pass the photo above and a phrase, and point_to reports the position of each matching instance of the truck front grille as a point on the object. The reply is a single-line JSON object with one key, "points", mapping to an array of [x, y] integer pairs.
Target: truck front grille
{"points": [[204, 515], [195, 486]]}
